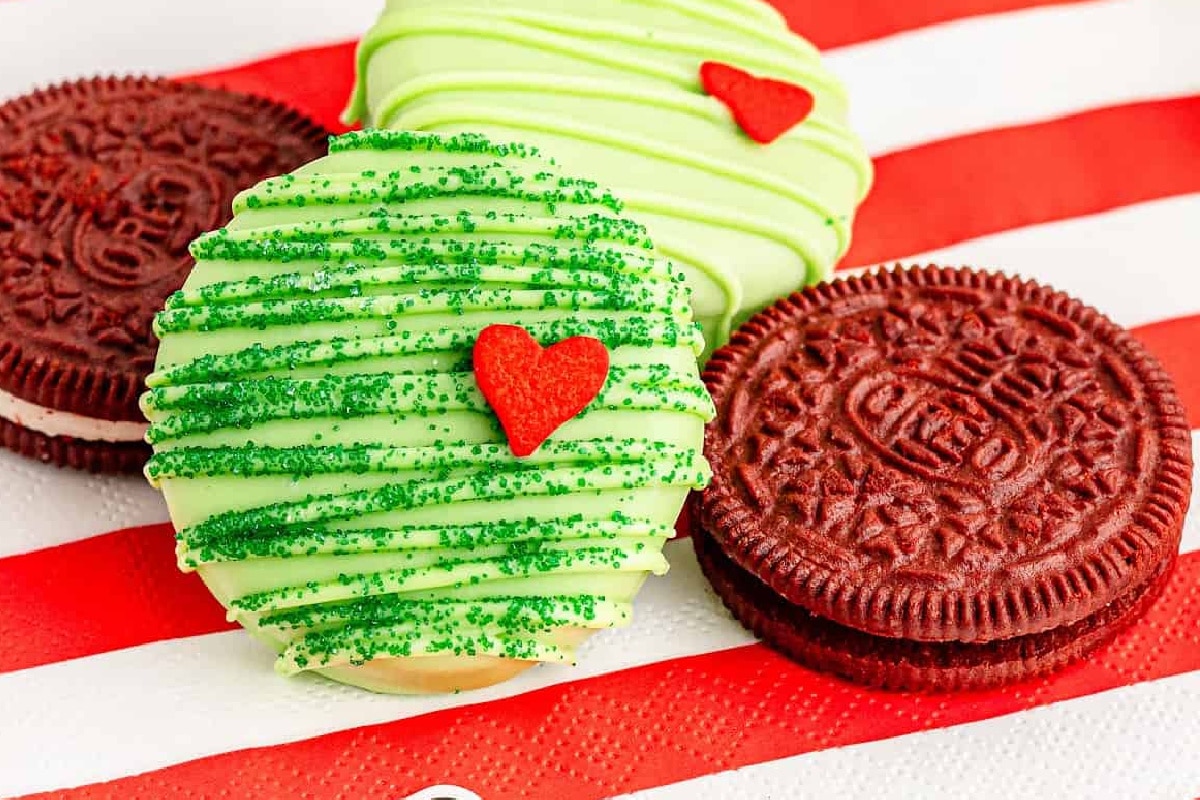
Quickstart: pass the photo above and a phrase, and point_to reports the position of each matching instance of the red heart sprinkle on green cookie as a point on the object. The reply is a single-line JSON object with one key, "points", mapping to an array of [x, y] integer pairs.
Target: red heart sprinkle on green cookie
{"points": [[532, 389], [763, 107]]}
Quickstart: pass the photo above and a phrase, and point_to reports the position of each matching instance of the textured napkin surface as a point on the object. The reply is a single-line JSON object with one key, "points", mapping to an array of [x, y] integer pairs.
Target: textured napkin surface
{"points": [[1059, 140]]}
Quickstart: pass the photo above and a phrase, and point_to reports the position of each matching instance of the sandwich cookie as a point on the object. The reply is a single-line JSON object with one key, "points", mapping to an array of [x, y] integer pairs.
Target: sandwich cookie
{"points": [[940, 478], [103, 183]]}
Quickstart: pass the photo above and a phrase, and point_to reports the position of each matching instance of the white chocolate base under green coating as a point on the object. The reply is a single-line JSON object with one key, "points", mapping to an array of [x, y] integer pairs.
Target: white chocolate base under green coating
{"points": [[612, 88], [334, 473]]}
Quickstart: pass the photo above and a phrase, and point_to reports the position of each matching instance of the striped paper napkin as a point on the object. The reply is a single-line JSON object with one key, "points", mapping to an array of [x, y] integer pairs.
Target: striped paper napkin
{"points": [[1058, 140]]}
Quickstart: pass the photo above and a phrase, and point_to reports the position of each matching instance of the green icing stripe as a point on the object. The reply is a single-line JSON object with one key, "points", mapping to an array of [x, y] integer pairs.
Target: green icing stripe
{"points": [[259, 315], [561, 559], [399, 187], [417, 142], [417, 560], [821, 129], [691, 472], [306, 460], [671, 153], [397, 627], [600, 257], [336, 391], [256, 359], [370, 234], [330, 539], [356, 280], [366, 395], [752, 18], [356, 646], [512, 615]]}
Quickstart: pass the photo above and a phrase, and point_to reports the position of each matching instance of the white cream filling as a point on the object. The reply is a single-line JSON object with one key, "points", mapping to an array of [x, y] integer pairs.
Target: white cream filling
{"points": [[53, 422]]}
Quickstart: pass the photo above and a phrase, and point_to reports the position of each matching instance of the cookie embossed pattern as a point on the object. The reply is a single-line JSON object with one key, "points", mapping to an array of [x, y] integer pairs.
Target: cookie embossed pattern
{"points": [[103, 184], [943, 477]]}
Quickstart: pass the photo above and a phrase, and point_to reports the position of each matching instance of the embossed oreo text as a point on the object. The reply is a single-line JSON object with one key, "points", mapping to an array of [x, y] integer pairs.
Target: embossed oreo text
{"points": [[933, 433], [103, 184]]}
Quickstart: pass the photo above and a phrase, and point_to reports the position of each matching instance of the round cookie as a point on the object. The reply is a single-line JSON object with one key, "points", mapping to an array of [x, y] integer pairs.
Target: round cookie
{"points": [[906, 664], [103, 184], [944, 456], [352, 398], [641, 93]]}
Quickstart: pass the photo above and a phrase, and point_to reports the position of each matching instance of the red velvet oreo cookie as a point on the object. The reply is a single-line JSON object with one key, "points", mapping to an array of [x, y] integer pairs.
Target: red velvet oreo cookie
{"points": [[945, 468], [103, 184]]}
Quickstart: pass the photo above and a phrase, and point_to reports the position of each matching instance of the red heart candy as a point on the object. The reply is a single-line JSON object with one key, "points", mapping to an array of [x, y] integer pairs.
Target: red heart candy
{"points": [[763, 107], [532, 389]]}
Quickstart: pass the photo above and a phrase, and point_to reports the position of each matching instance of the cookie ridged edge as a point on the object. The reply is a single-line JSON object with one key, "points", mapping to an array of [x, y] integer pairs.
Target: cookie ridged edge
{"points": [[1122, 564], [82, 454], [890, 663]]}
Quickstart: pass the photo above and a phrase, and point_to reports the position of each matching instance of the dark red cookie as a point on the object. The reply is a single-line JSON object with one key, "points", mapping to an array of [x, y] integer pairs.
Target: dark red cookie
{"points": [[906, 664], [944, 456], [103, 184]]}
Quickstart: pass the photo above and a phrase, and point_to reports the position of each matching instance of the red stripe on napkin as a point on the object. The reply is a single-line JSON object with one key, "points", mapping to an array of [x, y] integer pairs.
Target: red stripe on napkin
{"points": [[654, 725], [97, 595], [315, 81], [53, 593], [1175, 342], [939, 194]]}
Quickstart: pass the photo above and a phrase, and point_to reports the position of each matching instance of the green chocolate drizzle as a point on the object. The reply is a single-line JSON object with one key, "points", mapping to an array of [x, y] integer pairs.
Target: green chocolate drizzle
{"points": [[333, 469], [391, 625], [614, 86]]}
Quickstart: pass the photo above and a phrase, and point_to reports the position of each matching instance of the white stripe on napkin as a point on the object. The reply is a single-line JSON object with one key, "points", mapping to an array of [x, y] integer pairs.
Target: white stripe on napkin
{"points": [[1017, 68]]}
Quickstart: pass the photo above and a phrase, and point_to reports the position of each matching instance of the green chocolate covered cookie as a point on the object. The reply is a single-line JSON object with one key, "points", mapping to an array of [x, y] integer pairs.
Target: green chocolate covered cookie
{"points": [[334, 472], [614, 88]]}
